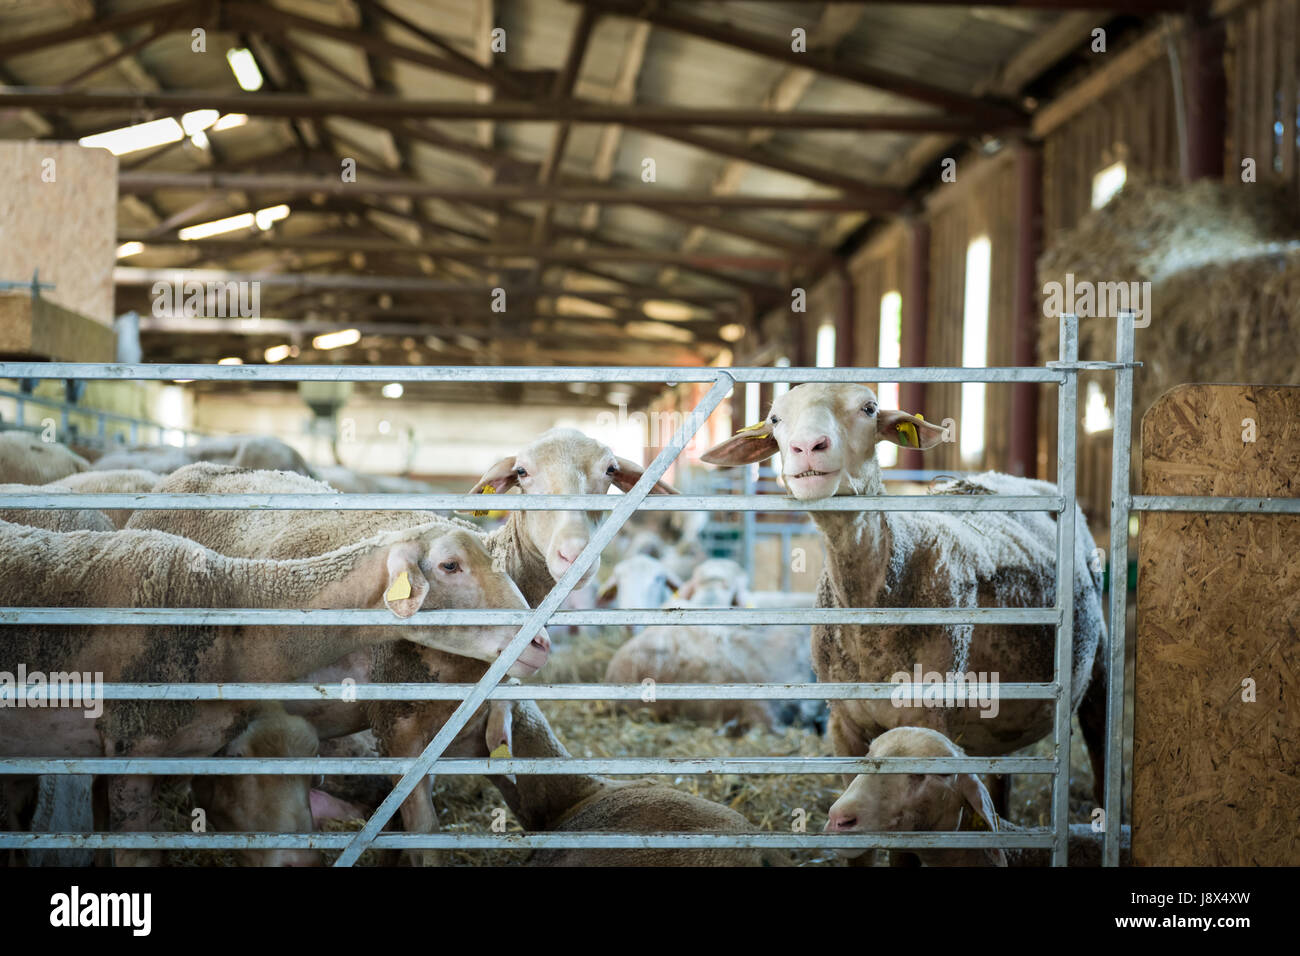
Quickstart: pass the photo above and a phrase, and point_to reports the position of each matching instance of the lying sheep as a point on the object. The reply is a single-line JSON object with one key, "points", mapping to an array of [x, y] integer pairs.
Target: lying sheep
{"points": [[126, 481], [26, 460], [717, 654], [428, 567], [264, 803], [638, 582], [826, 435], [581, 802], [890, 802]]}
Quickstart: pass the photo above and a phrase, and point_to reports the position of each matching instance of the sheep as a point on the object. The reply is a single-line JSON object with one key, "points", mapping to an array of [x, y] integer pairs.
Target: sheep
{"points": [[118, 481], [259, 803], [26, 460], [888, 802], [826, 435], [539, 546], [52, 519], [534, 548], [639, 581], [581, 802], [243, 451], [714, 654], [426, 567]]}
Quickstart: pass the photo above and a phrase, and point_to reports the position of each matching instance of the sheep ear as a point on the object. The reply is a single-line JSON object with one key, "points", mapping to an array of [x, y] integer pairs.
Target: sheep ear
{"points": [[673, 581], [607, 591], [629, 473], [687, 590], [406, 587], [743, 448], [500, 728], [910, 431], [500, 476], [976, 794]]}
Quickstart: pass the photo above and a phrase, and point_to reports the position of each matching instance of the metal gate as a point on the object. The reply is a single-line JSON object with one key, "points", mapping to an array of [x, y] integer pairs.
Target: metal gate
{"points": [[1062, 374]]}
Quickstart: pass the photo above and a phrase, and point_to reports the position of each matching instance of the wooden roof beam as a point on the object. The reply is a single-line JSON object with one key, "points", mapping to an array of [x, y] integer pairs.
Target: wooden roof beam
{"points": [[572, 111], [988, 112]]}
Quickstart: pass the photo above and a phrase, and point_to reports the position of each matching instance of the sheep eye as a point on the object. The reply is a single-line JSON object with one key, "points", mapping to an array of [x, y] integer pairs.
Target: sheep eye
{"points": [[451, 567], [869, 408], [521, 472]]}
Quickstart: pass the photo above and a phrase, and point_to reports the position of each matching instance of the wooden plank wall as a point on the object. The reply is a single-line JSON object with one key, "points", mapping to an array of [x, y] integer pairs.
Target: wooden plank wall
{"points": [[1262, 90], [981, 202], [1137, 124]]}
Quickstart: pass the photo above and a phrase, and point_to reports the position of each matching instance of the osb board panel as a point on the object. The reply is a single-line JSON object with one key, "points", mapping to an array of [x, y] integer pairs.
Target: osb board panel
{"points": [[65, 228], [1216, 779], [41, 329]]}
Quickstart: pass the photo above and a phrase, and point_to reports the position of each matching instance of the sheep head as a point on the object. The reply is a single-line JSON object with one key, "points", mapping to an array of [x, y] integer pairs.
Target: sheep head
{"points": [[431, 568], [889, 802], [562, 461], [827, 435]]}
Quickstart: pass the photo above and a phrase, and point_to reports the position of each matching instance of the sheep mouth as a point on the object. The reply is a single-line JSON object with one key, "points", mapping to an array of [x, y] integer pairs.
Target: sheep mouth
{"points": [[811, 473]]}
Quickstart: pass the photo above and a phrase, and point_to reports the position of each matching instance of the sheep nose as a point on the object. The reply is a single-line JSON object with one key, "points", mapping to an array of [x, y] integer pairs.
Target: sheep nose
{"points": [[839, 820], [569, 550], [820, 443]]}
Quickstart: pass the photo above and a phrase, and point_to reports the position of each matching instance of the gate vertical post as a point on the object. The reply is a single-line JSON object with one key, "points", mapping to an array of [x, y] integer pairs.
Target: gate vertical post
{"points": [[1120, 501], [1066, 447]]}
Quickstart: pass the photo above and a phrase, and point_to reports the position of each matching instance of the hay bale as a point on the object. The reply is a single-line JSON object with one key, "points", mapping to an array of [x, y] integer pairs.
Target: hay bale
{"points": [[1223, 261]]}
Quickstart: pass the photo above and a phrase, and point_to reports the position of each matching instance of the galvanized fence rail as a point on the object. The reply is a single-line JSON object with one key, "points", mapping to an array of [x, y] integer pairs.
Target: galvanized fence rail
{"points": [[1062, 374]]}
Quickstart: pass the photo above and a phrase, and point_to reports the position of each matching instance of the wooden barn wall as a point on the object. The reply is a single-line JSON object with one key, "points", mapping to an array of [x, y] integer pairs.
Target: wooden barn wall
{"points": [[1136, 123], [877, 270], [981, 202], [1262, 87]]}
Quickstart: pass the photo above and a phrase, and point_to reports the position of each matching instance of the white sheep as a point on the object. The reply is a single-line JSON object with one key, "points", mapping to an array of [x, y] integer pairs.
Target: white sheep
{"points": [[534, 548], [52, 519], [826, 435], [243, 451], [716, 654], [937, 802], [26, 460], [636, 582], [428, 567], [127, 481]]}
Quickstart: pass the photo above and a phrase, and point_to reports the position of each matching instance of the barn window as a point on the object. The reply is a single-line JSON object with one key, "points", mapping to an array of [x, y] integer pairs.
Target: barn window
{"points": [[975, 346], [1097, 416], [826, 345], [1107, 182], [890, 356]]}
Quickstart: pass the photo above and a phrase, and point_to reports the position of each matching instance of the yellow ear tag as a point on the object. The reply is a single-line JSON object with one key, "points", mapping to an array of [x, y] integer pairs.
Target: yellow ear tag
{"points": [[907, 431], [502, 751], [487, 490], [401, 589], [755, 427]]}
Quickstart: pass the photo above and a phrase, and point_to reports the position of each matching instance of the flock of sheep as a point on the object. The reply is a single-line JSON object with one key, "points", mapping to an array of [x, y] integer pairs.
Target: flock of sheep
{"points": [[410, 561]]}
